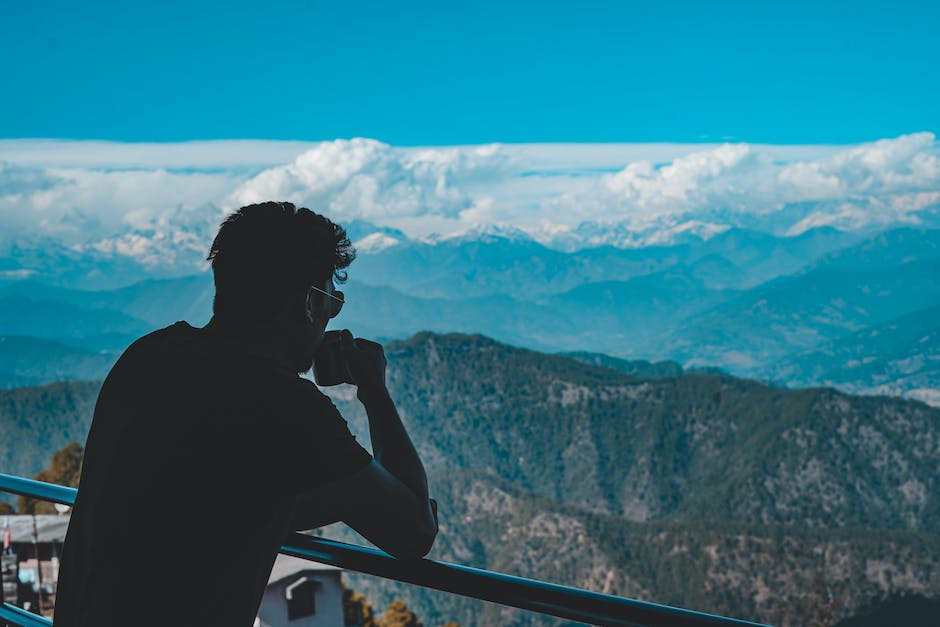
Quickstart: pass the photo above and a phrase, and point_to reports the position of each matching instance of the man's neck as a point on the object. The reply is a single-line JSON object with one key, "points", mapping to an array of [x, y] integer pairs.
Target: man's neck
{"points": [[265, 340]]}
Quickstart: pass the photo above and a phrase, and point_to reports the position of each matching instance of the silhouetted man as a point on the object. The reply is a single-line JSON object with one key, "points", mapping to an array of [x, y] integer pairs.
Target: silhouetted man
{"points": [[206, 446]]}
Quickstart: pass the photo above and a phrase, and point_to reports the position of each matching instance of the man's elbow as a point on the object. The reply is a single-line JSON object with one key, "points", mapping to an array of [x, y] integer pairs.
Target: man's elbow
{"points": [[414, 545], [425, 542]]}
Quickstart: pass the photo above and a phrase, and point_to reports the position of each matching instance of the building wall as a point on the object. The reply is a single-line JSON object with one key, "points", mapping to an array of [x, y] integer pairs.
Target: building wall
{"points": [[24, 590], [329, 603]]}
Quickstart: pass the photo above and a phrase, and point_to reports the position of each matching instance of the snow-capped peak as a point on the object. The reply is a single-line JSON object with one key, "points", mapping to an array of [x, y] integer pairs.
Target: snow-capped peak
{"points": [[482, 233], [375, 242]]}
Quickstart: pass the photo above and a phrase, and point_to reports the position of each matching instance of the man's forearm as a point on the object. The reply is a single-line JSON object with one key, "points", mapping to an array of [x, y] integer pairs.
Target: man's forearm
{"points": [[391, 445]]}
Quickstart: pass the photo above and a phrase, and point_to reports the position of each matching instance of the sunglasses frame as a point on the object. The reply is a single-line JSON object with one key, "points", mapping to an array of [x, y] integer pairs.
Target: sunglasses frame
{"points": [[341, 301]]}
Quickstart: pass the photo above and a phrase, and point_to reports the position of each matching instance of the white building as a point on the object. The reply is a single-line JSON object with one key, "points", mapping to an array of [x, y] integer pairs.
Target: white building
{"points": [[302, 593]]}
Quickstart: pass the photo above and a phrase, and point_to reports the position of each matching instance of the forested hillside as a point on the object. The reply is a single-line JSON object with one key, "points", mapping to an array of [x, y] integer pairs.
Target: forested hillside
{"points": [[690, 447], [35, 422], [699, 490]]}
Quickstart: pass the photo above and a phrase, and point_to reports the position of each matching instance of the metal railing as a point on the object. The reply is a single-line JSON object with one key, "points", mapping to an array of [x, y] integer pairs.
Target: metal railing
{"points": [[528, 594]]}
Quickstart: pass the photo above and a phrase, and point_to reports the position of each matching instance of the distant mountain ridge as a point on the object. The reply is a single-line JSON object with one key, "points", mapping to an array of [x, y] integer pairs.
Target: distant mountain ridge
{"points": [[30, 361], [902, 354], [523, 267], [741, 301], [793, 314]]}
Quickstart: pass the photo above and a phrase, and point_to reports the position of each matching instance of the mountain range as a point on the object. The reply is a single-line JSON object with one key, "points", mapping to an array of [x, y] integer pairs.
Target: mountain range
{"points": [[700, 490], [899, 356], [781, 309]]}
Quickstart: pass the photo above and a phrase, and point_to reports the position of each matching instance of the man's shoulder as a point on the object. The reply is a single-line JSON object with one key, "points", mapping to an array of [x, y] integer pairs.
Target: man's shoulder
{"points": [[145, 348], [173, 333]]}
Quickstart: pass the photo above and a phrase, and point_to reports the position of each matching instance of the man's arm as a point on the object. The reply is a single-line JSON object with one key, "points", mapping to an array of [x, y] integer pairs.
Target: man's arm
{"points": [[387, 501], [391, 445]]}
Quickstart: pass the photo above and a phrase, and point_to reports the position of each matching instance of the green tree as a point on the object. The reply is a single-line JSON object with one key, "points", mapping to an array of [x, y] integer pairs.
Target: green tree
{"points": [[356, 609], [397, 614], [65, 468]]}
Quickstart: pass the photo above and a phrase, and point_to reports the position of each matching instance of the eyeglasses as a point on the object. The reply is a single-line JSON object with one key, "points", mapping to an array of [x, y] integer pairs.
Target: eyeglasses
{"points": [[336, 303]]}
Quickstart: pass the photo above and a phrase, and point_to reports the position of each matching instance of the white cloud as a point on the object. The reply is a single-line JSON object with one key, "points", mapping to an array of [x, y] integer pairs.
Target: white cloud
{"points": [[877, 183], [160, 202], [695, 180], [902, 165], [194, 155], [369, 180], [157, 218], [860, 212], [76, 204]]}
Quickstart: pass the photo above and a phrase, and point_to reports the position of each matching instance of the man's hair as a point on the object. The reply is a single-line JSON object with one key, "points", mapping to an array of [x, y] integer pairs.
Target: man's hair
{"points": [[263, 253]]}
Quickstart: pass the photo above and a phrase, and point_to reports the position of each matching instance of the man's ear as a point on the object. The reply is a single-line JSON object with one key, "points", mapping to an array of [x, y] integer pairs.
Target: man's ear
{"points": [[301, 308], [314, 307], [311, 311]]}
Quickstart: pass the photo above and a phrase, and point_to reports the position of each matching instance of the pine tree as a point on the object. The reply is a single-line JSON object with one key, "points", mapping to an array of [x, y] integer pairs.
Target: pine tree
{"points": [[65, 468]]}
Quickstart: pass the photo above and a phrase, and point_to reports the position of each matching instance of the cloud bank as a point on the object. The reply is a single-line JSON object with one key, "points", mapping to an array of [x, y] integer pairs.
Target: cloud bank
{"points": [[159, 203], [368, 180], [878, 183]]}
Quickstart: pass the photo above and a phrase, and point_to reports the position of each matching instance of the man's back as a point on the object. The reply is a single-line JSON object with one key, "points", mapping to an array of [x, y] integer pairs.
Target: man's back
{"points": [[195, 454]]}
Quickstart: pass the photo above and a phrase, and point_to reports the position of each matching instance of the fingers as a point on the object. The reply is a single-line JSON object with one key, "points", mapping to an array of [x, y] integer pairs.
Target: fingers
{"points": [[346, 342], [367, 344], [350, 344]]}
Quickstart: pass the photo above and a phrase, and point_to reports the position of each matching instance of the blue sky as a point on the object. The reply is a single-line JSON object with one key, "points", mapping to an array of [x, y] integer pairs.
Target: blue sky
{"points": [[437, 73], [652, 119]]}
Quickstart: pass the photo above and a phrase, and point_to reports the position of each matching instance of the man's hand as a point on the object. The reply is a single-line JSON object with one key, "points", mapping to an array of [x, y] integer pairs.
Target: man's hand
{"points": [[395, 483], [366, 362]]}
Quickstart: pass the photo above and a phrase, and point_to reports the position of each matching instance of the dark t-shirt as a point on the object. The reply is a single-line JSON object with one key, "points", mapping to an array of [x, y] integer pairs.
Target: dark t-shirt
{"points": [[194, 457]]}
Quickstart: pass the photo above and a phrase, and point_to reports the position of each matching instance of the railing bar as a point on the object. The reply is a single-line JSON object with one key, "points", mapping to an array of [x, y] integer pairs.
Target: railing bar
{"points": [[543, 597], [38, 489], [16, 616], [529, 594]]}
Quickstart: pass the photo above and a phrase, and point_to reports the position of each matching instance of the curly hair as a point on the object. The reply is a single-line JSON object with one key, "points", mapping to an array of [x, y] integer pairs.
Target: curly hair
{"points": [[265, 252]]}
